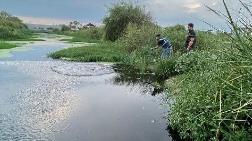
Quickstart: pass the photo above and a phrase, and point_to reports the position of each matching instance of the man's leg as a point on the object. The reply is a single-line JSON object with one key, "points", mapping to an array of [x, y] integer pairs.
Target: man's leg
{"points": [[163, 55], [169, 52], [166, 53]]}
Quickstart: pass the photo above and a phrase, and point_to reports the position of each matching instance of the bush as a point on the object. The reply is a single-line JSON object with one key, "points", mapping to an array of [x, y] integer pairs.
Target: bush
{"points": [[165, 68], [120, 15], [176, 34], [138, 37], [12, 28], [86, 35]]}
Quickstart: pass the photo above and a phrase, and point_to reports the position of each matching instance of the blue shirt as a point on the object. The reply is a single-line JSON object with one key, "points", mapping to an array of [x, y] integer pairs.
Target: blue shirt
{"points": [[164, 43]]}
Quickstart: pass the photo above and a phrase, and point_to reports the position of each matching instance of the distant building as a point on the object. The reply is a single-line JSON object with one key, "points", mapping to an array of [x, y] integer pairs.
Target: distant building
{"points": [[89, 25]]}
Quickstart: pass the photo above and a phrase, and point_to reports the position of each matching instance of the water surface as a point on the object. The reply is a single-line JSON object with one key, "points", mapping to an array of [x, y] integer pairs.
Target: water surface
{"points": [[43, 99]]}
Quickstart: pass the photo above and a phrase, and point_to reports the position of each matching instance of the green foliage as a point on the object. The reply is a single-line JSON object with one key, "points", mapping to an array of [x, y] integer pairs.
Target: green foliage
{"points": [[176, 34], [12, 28], [120, 15], [195, 61], [65, 28], [214, 95], [4, 45], [85, 35], [213, 98], [138, 37], [208, 40], [142, 60], [165, 69], [105, 52]]}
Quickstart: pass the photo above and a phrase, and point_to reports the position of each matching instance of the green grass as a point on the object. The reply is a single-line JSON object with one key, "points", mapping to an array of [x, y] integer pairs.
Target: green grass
{"points": [[92, 35], [4, 45], [105, 52], [79, 39]]}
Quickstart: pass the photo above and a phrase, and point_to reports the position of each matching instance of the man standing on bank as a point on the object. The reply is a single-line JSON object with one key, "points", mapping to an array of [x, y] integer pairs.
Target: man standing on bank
{"points": [[191, 38]]}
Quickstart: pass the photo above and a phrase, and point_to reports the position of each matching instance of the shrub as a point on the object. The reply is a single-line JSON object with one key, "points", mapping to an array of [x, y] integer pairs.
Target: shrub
{"points": [[138, 37], [120, 15], [165, 68], [176, 34], [12, 28]]}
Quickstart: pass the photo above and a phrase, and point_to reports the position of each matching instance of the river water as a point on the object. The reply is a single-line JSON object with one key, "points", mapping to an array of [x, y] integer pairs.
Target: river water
{"points": [[45, 99]]}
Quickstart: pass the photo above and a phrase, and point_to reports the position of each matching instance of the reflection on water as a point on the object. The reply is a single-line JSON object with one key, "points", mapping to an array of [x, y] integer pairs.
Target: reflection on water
{"points": [[108, 112], [55, 100], [128, 75], [148, 83], [40, 102]]}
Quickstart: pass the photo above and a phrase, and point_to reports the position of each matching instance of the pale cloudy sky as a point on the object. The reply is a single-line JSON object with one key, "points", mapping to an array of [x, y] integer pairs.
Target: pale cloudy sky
{"points": [[164, 12]]}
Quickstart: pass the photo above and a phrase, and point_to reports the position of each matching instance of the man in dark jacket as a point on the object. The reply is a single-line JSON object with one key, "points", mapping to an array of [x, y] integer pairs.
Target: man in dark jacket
{"points": [[191, 38]]}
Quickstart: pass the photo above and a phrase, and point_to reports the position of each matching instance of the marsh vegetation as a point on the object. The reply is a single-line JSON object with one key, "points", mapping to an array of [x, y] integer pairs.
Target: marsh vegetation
{"points": [[211, 86]]}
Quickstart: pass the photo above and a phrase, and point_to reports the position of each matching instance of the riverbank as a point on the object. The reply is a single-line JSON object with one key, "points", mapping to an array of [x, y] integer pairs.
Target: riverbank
{"points": [[4, 45], [101, 52], [210, 85]]}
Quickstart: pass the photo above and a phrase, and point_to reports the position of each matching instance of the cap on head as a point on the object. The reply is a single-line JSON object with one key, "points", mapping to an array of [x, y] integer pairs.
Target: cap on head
{"points": [[191, 25]]}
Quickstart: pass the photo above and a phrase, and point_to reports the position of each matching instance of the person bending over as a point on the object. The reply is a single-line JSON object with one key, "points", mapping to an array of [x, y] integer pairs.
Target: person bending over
{"points": [[166, 46]]}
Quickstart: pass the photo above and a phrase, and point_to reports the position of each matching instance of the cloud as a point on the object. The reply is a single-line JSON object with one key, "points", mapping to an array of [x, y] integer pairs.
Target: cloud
{"points": [[44, 21], [192, 5]]}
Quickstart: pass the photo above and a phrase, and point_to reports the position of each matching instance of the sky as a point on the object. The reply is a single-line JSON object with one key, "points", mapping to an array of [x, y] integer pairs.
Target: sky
{"points": [[164, 12]]}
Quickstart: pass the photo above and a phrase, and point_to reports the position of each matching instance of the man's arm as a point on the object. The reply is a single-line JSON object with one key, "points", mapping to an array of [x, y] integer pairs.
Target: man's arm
{"points": [[190, 43], [156, 47]]}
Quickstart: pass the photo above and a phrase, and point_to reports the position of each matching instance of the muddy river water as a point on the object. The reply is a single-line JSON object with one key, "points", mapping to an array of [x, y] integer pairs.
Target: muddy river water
{"points": [[45, 99]]}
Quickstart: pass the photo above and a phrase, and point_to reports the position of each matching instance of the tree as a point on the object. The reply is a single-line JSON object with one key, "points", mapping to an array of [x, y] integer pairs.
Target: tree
{"points": [[120, 15], [65, 28]]}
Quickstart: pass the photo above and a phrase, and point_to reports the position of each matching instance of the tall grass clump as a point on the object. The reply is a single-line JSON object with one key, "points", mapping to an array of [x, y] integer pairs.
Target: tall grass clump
{"points": [[176, 34], [138, 41], [120, 15], [213, 98]]}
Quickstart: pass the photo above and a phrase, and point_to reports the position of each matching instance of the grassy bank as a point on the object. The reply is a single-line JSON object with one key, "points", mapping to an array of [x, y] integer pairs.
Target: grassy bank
{"points": [[4, 45], [91, 35], [210, 86], [102, 52]]}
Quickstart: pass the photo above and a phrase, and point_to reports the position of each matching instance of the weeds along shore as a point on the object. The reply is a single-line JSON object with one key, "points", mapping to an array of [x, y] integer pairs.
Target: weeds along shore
{"points": [[211, 85]]}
